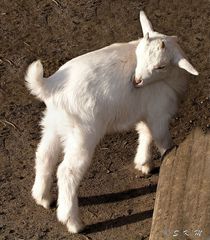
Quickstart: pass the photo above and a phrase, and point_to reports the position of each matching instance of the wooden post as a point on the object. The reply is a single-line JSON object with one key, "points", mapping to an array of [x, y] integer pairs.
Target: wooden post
{"points": [[182, 205]]}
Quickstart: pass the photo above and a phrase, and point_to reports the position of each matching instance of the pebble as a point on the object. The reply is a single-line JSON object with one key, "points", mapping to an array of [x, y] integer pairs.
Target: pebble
{"points": [[130, 211], [2, 226]]}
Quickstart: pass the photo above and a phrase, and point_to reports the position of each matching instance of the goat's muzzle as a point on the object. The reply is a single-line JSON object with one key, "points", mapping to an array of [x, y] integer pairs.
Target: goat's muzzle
{"points": [[137, 82]]}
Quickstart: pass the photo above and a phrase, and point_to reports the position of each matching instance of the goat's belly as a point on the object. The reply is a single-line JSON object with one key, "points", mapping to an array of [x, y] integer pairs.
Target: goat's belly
{"points": [[123, 123]]}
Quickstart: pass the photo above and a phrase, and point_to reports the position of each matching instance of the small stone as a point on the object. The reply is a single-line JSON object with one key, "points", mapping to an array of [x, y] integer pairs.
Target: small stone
{"points": [[1, 226], [130, 211]]}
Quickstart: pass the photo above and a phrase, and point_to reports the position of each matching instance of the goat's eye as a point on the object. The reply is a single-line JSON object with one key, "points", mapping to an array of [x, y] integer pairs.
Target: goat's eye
{"points": [[159, 67]]}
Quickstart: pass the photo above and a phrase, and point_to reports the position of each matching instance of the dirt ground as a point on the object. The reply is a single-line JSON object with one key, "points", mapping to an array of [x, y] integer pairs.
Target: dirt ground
{"points": [[116, 201]]}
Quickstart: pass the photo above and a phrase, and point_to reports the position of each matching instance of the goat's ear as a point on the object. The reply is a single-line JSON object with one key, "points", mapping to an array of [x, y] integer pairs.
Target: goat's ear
{"points": [[186, 65], [181, 61], [145, 23]]}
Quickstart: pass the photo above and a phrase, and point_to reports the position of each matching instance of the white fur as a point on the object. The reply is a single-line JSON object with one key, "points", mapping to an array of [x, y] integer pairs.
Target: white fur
{"points": [[95, 94]]}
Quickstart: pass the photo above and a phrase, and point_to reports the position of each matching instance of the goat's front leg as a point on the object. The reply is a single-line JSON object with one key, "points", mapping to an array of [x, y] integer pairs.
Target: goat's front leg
{"points": [[160, 133], [79, 148], [143, 159]]}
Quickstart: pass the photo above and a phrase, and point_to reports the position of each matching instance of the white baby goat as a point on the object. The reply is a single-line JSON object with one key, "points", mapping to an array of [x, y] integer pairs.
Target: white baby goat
{"points": [[107, 90]]}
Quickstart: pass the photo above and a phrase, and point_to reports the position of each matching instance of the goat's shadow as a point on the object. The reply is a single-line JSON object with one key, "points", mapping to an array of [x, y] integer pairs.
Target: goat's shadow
{"points": [[117, 197], [117, 222]]}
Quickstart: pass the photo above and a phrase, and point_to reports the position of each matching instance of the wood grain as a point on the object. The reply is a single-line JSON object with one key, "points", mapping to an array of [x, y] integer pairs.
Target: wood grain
{"points": [[182, 206]]}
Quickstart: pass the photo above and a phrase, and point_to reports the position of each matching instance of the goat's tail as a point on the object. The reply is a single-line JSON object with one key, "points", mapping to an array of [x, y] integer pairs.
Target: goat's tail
{"points": [[35, 81]]}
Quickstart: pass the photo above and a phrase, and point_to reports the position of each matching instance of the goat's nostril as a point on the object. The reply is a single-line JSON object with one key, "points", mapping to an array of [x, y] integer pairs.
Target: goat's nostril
{"points": [[137, 82]]}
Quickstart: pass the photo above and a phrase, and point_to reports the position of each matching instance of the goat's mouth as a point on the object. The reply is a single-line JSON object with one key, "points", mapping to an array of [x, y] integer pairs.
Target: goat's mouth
{"points": [[137, 82]]}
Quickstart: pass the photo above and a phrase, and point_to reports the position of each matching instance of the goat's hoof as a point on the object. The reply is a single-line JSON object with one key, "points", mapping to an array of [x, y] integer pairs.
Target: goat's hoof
{"points": [[44, 202], [145, 169], [166, 152], [75, 227]]}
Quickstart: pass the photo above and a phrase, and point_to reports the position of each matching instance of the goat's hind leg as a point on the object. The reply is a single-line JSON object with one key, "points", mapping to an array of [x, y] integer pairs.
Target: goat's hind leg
{"points": [[45, 163], [79, 148]]}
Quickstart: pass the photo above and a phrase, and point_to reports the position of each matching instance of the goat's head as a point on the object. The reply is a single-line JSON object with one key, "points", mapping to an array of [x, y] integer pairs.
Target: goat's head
{"points": [[157, 54]]}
